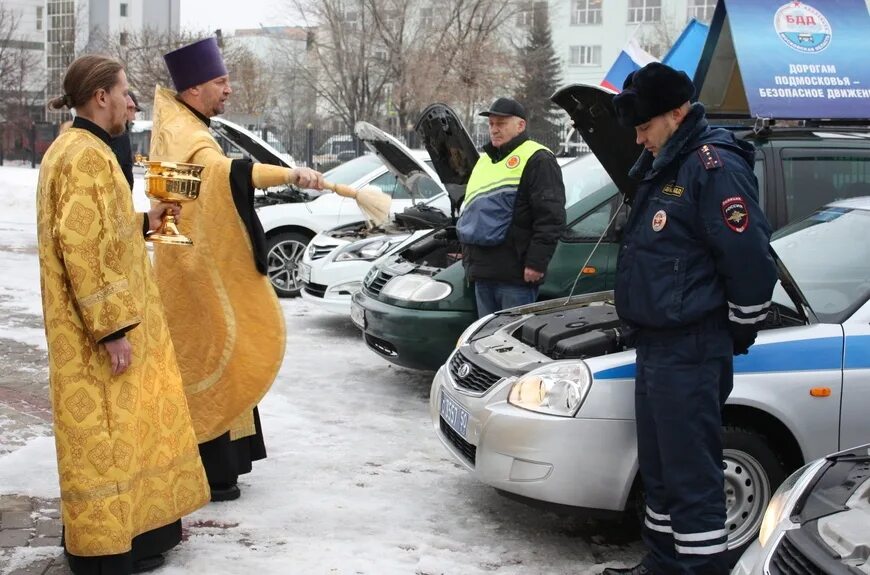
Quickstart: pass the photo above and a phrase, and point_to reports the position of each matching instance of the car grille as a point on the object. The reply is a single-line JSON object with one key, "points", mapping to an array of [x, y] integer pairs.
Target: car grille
{"points": [[321, 251], [381, 346], [477, 379], [468, 451], [789, 560], [316, 290], [376, 280]]}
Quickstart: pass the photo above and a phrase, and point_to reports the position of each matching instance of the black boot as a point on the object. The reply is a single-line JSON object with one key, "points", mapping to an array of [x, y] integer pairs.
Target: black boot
{"points": [[639, 569], [148, 563], [225, 492]]}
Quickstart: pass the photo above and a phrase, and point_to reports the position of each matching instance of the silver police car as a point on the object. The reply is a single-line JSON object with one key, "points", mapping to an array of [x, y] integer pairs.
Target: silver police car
{"points": [[538, 401]]}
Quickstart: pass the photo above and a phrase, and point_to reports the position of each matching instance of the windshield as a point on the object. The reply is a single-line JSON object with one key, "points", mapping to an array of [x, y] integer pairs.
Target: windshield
{"points": [[584, 177], [353, 170], [828, 255]]}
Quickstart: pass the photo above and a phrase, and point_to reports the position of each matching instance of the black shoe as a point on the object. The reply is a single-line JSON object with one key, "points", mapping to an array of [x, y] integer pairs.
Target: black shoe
{"points": [[638, 569], [228, 493], [148, 563]]}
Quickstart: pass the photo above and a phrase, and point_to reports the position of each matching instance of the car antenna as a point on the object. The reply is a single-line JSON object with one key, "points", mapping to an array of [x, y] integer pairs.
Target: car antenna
{"points": [[595, 247]]}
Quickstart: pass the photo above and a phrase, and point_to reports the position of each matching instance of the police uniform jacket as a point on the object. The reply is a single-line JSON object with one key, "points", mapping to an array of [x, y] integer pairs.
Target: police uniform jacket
{"points": [[537, 224], [696, 243]]}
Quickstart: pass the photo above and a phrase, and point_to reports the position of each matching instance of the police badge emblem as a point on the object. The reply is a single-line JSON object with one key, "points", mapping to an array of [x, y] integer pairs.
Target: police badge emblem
{"points": [[735, 213], [513, 162], [659, 220]]}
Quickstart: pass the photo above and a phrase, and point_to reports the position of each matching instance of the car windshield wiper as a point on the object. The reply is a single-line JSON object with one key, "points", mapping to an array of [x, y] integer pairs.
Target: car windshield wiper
{"points": [[802, 306]]}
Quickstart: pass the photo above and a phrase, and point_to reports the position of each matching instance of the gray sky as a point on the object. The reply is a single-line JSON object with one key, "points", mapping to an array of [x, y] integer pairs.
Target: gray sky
{"points": [[207, 15]]}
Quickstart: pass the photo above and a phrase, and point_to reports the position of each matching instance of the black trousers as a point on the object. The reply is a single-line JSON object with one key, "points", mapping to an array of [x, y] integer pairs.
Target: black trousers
{"points": [[682, 382], [224, 460], [147, 544]]}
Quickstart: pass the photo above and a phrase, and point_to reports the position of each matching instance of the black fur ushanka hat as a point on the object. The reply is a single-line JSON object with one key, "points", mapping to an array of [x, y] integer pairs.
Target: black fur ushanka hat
{"points": [[651, 91]]}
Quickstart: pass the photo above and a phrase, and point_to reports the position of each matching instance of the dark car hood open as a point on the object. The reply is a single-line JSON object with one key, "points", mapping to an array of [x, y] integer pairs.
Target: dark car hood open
{"points": [[249, 142], [591, 110], [450, 148], [397, 158]]}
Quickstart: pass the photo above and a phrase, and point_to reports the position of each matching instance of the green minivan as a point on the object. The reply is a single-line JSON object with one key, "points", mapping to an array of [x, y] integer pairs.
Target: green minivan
{"points": [[415, 301]]}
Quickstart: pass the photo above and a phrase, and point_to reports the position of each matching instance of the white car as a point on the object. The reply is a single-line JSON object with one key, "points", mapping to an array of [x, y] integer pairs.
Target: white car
{"points": [[818, 521], [290, 227], [336, 261]]}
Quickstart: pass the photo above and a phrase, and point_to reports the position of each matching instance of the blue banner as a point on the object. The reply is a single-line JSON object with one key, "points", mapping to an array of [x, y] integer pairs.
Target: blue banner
{"points": [[803, 59]]}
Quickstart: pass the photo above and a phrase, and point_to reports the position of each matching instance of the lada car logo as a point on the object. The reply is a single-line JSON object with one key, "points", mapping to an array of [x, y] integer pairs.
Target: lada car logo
{"points": [[463, 371], [802, 27]]}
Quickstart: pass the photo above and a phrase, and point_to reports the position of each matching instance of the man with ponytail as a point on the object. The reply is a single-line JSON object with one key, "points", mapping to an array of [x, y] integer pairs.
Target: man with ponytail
{"points": [[126, 449]]}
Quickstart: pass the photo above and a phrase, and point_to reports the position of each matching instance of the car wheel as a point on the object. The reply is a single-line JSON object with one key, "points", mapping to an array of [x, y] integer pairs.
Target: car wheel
{"points": [[752, 473], [285, 253]]}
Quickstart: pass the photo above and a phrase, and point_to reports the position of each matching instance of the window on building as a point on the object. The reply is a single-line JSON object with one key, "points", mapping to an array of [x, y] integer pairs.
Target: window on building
{"points": [[702, 9], [350, 22], [39, 17], [123, 39], [584, 56], [644, 11], [427, 19], [585, 12], [123, 9], [526, 12]]}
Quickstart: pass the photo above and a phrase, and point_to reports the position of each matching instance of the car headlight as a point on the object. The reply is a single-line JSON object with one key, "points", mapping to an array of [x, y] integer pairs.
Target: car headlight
{"points": [[469, 331], [416, 287], [784, 499], [311, 250], [558, 388], [368, 250]]}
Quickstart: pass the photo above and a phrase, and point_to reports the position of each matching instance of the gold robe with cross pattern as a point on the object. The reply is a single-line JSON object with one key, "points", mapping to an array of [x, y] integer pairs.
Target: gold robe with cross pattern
{"points": [[224, 316], [127, 454]]}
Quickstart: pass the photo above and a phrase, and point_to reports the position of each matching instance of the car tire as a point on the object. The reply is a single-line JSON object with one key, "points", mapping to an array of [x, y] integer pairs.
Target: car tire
{"points": [[285, 251], [753, 471]]}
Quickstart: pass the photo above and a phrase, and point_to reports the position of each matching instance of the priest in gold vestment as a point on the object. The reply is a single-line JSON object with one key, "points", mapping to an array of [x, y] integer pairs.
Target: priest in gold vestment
{"points": [[224, 316], [126, 449]]}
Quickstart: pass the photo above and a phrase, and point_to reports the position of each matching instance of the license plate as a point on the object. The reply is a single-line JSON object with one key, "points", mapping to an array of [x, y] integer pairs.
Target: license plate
{"points": [[305, 272], [358, 315], [454, 414]]}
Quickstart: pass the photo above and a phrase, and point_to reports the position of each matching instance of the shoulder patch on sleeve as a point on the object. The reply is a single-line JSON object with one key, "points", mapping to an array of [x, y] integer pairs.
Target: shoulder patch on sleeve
{"points": [[709, 157], [735, 214]]}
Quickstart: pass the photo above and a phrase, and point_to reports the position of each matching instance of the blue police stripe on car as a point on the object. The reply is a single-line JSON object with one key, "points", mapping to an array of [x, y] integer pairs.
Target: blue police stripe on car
{"points": [[802, 355]]}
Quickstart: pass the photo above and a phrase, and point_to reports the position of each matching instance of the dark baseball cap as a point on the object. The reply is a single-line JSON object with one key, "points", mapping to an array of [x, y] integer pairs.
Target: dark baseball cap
{"points": [[505, 107]]}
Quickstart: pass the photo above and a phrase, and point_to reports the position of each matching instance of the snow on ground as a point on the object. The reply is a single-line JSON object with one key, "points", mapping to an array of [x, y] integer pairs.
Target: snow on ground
{"points": [[356, 481]]}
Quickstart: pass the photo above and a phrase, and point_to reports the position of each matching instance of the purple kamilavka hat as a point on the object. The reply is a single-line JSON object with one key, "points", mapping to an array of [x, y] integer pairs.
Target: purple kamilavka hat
{"points": [[195, 64]]}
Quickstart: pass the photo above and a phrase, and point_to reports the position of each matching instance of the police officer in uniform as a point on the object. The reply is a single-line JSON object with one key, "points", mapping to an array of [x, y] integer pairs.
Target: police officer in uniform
{"points": [[694, 282], [513, 213]]}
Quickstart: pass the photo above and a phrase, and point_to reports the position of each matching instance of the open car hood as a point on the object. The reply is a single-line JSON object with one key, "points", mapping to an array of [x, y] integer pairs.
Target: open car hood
{"points": [[591, 110], [249, 142], [450, 148], [411, 171]]}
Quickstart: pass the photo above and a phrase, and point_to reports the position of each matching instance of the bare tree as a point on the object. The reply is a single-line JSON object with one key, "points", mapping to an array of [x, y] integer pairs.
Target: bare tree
{"points": [[376, 58], [21, 82], [343, 65], [142, 55]]}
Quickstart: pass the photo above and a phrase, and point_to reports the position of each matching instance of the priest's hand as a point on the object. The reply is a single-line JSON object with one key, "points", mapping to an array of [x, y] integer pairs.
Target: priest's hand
{"points": [[120, 353], [306, 178], [155, 214]]}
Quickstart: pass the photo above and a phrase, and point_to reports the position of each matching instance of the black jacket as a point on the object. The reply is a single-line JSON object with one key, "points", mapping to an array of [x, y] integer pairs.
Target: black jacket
{"points": [[124, 152], [538, 221], [697, 242]]}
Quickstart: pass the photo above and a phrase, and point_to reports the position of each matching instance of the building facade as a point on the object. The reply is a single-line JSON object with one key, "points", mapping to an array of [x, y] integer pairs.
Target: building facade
{"points": [[589, 34], [76, 26]]}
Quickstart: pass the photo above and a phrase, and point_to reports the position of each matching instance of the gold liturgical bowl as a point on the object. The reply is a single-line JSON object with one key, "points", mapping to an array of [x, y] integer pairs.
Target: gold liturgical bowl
{"points": [[171, 182]]}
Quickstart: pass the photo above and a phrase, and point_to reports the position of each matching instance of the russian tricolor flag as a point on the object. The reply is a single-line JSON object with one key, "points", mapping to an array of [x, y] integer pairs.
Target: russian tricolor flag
{"points": [[632, 58]]}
